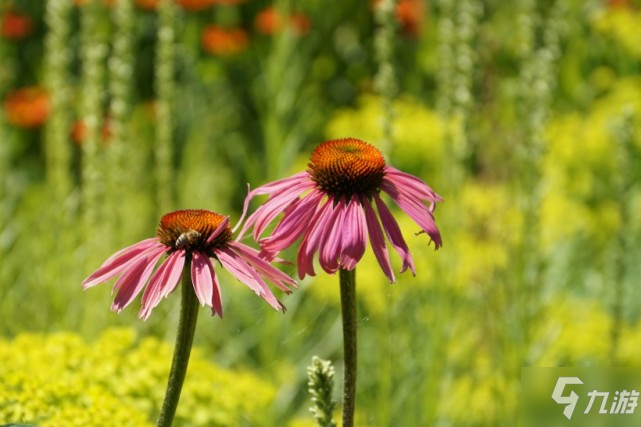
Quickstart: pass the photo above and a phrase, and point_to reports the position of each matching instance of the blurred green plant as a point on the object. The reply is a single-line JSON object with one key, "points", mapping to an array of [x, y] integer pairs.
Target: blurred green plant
{"points": [[321, 386], [501, 105]]}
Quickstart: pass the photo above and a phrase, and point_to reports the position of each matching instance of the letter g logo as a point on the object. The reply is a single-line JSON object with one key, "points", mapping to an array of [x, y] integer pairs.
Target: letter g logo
{"points": [[570, 400]]}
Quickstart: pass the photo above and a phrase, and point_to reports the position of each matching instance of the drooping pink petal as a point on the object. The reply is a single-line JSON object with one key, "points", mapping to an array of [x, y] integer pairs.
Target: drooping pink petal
{"points": [[201, 278], [230, 263], [151, 296], [394, 234], [354, 235], [206, 287], [216, 296], [331, 240], [145, 258], [415, 209], [264, 215], [311, 240], [119, 262], [275, 187], [129, 280], [281, 194], [413, 184], [129, 286], [174, 271], [377, 241], [271, 273], [247, 275], [293, 224], [143, 244], [163, 281], [222, 226]]}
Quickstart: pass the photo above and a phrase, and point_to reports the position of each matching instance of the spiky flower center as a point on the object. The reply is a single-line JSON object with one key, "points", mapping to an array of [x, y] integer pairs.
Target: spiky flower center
{"points": [[189, 229], [346, 167]]}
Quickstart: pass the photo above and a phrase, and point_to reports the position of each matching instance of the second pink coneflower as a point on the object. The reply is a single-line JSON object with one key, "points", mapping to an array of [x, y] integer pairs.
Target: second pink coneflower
{"points": [[189, 238], [336, 207]]}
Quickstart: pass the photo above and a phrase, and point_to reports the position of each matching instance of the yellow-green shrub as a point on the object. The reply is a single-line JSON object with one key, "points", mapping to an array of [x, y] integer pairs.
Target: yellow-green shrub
{"points": [[622, 26], [118, 380]]}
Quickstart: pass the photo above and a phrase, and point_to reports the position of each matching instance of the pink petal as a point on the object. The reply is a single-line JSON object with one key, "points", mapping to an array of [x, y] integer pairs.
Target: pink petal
{"points": [[354, 240], [130, 280], [282, 193], [142, 244], [413, 184], [216, 297], [331, 240], [151, 296], [247, 275], [174, 272], [377, 241], [162, 282], [268, 271], [394, 234], [203, 277], [311, 240], [284, 184], [119, 261], [415, 209], [221, 227], [293, 224], [145, 258], [130, 285], [268, 212]]}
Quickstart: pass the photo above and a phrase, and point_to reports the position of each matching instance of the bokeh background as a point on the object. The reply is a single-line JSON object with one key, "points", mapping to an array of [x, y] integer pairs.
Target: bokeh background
{"points": [[523, 115]]}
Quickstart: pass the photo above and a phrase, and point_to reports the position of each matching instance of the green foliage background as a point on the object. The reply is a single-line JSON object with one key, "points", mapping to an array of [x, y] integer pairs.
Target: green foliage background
{"points": [[523, 115]]}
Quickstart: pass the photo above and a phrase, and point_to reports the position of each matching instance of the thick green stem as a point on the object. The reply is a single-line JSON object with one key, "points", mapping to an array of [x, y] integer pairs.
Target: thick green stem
{"points": [[184, 340], [348, 307]]}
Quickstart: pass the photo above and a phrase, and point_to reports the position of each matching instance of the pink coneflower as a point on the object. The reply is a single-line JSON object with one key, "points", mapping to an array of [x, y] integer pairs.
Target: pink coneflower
{"points": [[187, 237], [336, 204]]}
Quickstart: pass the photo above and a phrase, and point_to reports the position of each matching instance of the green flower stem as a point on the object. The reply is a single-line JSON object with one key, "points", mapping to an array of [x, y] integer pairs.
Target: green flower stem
{"points": [[184, 340], [348, 307]]}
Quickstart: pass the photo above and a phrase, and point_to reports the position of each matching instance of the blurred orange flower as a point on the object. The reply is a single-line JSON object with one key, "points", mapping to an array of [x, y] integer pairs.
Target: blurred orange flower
{"points": [[300, 23], [27, 107], [410, 14], [15, 26], [79, 131], [224, 41], [270, 21]]}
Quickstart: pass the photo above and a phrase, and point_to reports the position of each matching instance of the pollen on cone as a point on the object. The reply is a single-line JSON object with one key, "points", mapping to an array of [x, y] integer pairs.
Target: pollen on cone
{"points": [[347, 166]]}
